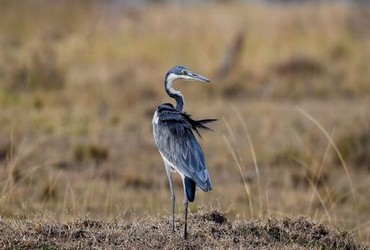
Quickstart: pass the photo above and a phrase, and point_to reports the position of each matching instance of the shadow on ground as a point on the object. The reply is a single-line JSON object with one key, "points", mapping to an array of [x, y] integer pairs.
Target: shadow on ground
{"points": [[208, 230]]}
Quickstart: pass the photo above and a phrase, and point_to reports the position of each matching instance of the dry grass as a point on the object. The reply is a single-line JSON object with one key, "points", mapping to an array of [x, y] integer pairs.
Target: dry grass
{"points": [[208, 230], [79, 83]]}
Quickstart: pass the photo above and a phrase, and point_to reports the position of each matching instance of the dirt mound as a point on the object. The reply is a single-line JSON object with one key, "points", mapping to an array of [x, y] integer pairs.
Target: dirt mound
{"points": [[209, 230]]}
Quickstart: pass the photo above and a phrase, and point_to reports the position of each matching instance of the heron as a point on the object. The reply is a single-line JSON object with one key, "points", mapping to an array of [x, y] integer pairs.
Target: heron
{"points": [[173, 135]]}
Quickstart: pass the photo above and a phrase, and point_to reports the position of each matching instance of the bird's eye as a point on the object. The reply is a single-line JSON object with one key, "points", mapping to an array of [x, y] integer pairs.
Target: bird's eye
{"points": [[184, 72]]}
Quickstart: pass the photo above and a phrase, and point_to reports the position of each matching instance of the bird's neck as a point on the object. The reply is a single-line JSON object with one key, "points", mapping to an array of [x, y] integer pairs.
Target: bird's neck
{"points": [[174, 94]]}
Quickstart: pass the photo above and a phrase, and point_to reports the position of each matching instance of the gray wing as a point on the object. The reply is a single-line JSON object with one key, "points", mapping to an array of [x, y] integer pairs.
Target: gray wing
{"points": [[176, 142]]}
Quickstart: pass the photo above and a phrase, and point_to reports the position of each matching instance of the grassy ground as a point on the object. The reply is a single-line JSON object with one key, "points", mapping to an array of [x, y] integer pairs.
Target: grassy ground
{"points": [[209, 230], [80, 83]]}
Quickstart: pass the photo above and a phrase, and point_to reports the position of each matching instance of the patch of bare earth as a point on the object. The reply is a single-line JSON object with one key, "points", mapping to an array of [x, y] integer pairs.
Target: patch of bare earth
{"points": [[208, 230]]}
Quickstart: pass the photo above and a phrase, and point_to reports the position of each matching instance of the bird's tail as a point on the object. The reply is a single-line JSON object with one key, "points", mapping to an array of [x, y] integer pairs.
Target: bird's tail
{"points": [[189, 189]]}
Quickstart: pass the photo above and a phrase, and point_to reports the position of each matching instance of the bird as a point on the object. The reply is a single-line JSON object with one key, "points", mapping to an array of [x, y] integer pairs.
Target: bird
{"points": [[173, 135]]}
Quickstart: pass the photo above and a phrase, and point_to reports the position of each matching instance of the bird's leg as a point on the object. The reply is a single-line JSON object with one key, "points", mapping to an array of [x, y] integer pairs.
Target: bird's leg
{"points": [[186, 218], [172, 196]]}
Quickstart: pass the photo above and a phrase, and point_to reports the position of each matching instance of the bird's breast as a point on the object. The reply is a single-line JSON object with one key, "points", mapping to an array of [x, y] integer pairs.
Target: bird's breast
{"points": [[155, 118]]}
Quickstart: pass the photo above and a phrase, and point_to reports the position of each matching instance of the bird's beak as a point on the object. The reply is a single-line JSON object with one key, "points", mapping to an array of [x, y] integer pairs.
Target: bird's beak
{"points": [[196, 77]]}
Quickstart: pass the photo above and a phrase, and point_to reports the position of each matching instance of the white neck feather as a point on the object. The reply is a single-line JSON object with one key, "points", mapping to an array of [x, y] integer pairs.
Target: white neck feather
{"points": [[171, 91]]}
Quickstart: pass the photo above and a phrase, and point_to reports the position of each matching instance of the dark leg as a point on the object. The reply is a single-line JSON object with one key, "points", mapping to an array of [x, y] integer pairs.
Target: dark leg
{"points": [[186, 219], [172, 195]]}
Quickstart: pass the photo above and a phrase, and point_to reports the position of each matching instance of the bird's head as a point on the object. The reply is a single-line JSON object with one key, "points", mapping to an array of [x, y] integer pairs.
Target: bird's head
{"points": [[181, 72]]}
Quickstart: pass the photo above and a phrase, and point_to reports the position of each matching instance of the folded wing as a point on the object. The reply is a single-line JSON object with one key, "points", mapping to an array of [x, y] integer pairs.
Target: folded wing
{"points": [[173, 133]]}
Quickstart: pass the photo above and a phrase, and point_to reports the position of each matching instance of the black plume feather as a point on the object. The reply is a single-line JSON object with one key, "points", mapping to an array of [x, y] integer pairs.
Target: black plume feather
{"points": [[198, 124]]}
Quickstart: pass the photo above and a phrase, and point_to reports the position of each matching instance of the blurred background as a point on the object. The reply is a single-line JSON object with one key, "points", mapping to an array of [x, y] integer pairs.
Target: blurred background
{"points": [[80, 81]]}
